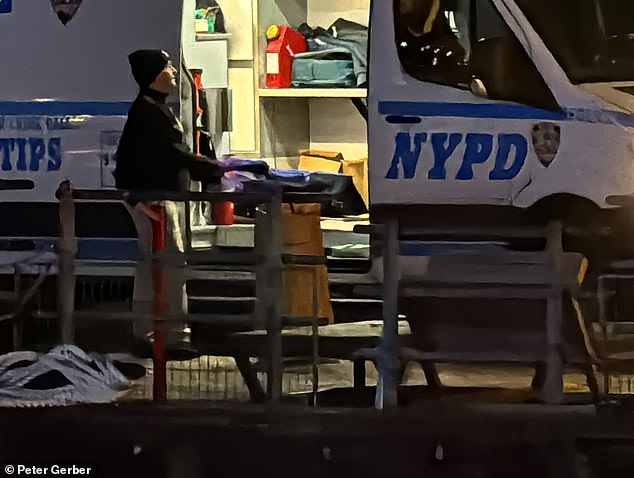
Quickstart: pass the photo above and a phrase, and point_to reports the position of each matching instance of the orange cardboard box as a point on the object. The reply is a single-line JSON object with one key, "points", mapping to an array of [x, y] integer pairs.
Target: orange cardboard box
{"points": [[320, 161], [358, 169], [301, 232], [334, 162]]}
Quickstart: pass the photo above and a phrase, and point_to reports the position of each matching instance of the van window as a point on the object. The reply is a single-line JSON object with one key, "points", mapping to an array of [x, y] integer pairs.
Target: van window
{"points": [[452, 42], [433, 39], [593, 40]]}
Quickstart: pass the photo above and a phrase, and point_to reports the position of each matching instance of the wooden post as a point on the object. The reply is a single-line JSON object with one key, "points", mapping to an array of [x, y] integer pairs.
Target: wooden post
{"points": [[250, 378], [387, 386], [359, 374], [552, 388], [268, 248], [275, 309], [159, 233], [18, 326], [315, 333], [602, 293], [66, 251], [268, 286]]}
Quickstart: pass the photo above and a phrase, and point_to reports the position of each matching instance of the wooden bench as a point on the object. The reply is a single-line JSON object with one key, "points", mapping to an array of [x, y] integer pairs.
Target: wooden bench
{"points": [[549, 275]]}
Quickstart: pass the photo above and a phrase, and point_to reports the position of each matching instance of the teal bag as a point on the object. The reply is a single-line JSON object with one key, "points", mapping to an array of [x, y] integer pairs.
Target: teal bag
{"points": [[323, 69]]}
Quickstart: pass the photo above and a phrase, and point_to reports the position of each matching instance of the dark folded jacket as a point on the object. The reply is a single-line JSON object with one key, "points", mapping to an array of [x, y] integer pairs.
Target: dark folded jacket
{"points": [[341, 34]]}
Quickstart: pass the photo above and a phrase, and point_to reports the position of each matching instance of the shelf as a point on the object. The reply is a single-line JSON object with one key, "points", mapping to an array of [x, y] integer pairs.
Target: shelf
{"points": [[313, 92], [212, 36]]}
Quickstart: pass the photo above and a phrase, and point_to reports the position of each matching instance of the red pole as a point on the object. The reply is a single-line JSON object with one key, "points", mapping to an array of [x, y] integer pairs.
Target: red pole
{"points": [[159, 236]]}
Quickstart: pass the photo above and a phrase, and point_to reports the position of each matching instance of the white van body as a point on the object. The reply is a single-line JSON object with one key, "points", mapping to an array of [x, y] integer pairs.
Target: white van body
{"points": [[67, 89], [434, 142]]}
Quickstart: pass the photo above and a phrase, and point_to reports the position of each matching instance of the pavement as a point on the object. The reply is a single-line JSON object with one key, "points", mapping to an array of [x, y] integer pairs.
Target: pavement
{"points": [[434, 439], [479, 426]]}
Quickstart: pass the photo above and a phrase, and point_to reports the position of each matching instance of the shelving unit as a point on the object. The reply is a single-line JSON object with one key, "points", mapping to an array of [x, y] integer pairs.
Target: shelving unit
{"points": [[290, 119], [274, 124], [205, 51]]}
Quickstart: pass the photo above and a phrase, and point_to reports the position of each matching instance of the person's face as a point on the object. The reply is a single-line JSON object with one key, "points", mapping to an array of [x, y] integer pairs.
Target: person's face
{"points": [[166, 79]]}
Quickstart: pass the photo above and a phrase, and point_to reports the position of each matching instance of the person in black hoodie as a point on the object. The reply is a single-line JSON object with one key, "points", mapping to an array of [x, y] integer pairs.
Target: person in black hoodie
{"points": [[150, 157], [151, 151]]}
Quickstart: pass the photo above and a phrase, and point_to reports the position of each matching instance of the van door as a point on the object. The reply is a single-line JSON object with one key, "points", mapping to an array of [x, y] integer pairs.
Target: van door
{"points": [[455, 105]]}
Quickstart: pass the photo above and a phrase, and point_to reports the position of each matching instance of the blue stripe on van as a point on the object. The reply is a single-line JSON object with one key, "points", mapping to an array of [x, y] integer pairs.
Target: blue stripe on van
{"points": [[469, 110], [64, 108]]}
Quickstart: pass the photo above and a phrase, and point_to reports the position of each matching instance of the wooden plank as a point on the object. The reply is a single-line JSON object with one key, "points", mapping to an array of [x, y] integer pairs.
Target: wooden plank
{"points": [[8, 296], [342, 278], [493, 291], [498, 292], [387, 386], [344, 348], [492, 356], [465, 234], [460, 233], [219, 256], [516, 274], [336, 300], [206, 272]]}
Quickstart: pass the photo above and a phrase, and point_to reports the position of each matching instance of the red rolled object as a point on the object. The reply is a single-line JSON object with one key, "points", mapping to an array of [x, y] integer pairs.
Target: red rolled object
{"points": [[159, 228], [223, 213]]}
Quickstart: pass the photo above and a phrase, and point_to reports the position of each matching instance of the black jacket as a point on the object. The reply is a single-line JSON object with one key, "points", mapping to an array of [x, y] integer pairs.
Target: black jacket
{"points": [[151, 150]]}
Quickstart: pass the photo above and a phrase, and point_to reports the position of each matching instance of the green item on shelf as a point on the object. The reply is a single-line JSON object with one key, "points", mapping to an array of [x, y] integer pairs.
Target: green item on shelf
{"points": [[199, 14], [317, 70]]}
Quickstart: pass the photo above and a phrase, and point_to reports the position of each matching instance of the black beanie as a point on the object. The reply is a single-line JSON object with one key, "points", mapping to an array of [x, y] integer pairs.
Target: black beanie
{"points": [[147, 64]]}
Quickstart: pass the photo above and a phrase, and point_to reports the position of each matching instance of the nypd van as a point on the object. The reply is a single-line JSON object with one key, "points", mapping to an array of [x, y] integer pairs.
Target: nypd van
{"points": [[67, 86], [524, 104]]}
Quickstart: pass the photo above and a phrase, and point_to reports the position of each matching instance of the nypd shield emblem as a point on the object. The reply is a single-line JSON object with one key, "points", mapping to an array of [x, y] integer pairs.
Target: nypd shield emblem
{"points": [[65, 9], [546, 138]]}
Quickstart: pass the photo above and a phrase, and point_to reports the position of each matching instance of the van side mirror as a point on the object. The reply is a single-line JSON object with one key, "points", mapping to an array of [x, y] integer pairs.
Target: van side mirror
{"points": [[478, 88]]}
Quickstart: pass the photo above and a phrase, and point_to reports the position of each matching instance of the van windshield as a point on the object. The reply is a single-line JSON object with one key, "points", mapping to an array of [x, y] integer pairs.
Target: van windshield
{"points": [[593, 40]]}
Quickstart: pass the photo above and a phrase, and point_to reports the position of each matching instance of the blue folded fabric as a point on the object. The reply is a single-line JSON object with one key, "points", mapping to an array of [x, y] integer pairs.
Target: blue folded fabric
{"points": [[231, 163], [290, 175]]}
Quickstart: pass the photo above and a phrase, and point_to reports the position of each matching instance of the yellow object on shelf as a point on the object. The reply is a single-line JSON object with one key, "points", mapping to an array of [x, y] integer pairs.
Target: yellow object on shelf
{"points": [[272, 32]]}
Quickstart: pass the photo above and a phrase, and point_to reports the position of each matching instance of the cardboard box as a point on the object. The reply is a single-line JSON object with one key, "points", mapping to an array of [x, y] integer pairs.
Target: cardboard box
{"points": [[334, 162], [320, 161], [358, 169], [301, 232]]}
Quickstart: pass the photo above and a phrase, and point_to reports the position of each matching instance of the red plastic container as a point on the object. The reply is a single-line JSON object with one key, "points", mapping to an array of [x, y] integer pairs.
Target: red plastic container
{"points": [[222, 213], [280, 53]]}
